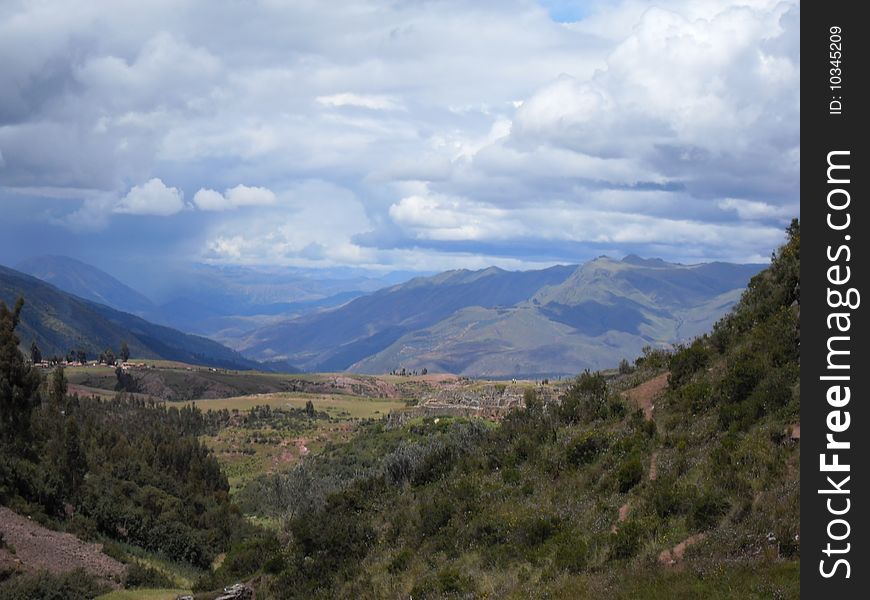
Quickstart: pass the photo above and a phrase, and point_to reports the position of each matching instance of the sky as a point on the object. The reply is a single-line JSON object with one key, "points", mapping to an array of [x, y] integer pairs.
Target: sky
{"points": [[397, 135]]}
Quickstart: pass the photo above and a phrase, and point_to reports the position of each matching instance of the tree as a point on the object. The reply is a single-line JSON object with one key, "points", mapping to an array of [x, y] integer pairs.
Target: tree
{"points": [[35, 354], [19, 381], [309, 409], [109, 356], [125, 352], [58, 387]]}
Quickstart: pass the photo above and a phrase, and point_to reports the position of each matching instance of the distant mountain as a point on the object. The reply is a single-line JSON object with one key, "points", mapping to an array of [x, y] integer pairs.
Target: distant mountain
{"points": [[500, 324], [214, 301], [60, 322], [86, 281], [336, 339]]}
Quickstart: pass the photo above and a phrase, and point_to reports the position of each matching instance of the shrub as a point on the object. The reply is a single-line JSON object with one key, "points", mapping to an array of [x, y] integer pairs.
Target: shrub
{"points": [[707, 508], [533, 530], [140, 576], [629, 474], [586, 399], [571, 552], [448, 581], [668, 498], [686, 361], [586, 447], [435, 515], [400, 561], [75, 585], [627, 540]]}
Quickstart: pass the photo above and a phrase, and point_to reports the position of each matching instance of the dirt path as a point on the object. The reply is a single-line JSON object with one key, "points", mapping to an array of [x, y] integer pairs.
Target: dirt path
{"points": [[644, 394], [672, 557], [653, 466], [624, 511], [39, 549]]}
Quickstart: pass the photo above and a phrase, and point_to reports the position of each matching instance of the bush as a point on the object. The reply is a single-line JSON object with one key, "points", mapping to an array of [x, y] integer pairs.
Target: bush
{"points": [[400, 561], [585, 400], [448, 581], [707, 509], [571, 553], [686, 361], [654, 359], [586, 447], [627, 540], [668, 498], [629, 474], [532, 531], [140, 576], [435, 515], [75, 585]]}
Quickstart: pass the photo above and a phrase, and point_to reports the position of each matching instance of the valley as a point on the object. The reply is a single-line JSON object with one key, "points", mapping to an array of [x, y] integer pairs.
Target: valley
{"points": [[193, 478]]}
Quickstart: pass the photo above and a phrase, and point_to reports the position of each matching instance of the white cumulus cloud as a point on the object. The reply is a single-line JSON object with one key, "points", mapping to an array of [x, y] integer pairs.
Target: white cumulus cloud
{"points": [[239, 196], [151, 198]]}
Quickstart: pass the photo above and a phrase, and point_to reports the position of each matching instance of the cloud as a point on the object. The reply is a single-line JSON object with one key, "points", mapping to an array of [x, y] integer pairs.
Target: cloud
{"points": [[151, 198], [236, 197], [370, 101], [750, 210], [404, 134]]}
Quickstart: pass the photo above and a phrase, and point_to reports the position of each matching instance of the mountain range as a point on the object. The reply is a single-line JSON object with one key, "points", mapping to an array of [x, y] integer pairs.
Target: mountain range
{"points": [[220, 302], [59, 322], [491, 322], [498, 323]]}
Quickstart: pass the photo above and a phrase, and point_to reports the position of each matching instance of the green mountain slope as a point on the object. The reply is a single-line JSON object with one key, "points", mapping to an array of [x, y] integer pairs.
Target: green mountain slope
{"points": [[678, 480], [59, 322]]}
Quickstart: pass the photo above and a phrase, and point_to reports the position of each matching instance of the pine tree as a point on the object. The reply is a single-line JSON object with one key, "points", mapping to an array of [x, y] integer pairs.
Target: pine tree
{"points": [[19, 381]]}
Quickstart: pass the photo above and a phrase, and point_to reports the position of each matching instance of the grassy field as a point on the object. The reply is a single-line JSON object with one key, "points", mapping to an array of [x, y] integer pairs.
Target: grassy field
{"points": [[338, 406], [144, 594], [249, 450]]}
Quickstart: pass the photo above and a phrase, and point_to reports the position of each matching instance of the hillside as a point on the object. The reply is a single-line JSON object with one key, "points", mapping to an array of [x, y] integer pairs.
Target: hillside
{"points": [[676, 479], [59, 322], [85, 281], [496, 323]]}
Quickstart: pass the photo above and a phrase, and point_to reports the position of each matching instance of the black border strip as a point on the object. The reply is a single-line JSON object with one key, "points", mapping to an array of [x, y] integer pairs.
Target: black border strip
{"points": [[831, 122]]}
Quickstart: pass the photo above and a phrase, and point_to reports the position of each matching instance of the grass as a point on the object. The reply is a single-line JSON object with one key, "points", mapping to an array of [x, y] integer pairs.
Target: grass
{"points": [[777, 580], [338, 406], [182, 575], [144, 594], [246, 452]]}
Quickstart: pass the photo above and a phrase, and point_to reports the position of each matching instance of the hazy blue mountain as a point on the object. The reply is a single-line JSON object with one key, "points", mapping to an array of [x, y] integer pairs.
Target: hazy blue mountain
{"points": [[336, 339], [59, 322], [214, 301], [86, 281], [501, 324]]}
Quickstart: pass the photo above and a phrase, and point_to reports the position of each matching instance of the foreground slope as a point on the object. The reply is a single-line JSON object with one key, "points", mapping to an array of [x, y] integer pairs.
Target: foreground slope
{"points": [[59, 322], [677, 480]]}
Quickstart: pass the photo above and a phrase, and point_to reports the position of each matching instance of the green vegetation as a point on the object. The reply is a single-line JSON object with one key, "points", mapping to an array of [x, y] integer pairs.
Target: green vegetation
{"points": [[75, 585], [443, 508], [586, 497], [121, 469]]}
